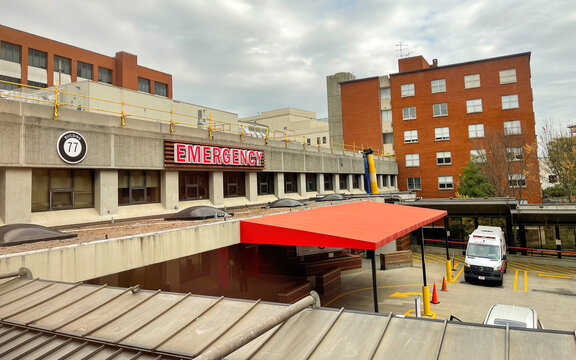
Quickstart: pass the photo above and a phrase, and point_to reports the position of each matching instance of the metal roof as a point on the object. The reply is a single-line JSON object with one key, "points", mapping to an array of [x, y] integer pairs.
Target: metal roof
{"points": [[52, 320]]}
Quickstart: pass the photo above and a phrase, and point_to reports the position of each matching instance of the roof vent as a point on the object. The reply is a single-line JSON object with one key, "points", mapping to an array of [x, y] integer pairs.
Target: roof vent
{"points": [[199, 213], [332, 197], [15, 234]]}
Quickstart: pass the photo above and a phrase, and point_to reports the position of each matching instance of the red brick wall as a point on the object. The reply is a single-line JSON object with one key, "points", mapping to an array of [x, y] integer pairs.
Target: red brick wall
{"points": [[412, 63]]}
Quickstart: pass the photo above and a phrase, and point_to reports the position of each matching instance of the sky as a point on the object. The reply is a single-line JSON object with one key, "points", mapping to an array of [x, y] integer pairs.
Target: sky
{"points": [[248, 57]]}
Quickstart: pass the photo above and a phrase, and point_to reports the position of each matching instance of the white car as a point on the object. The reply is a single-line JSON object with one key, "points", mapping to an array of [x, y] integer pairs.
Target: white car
{"points": [[515, 316]]}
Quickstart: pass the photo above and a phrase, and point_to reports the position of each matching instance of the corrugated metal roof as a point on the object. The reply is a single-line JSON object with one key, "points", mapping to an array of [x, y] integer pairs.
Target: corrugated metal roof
{"points": [[51, 320]]}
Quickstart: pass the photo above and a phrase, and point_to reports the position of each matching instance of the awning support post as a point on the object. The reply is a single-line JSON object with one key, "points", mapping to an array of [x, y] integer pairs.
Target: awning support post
{"points": [[448, 262], [425, 291], [372, 255]]}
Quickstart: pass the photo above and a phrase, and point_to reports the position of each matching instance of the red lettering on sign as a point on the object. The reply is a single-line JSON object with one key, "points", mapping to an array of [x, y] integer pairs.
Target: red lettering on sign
{"points": [[244, 157], [251, 158], [226, 156], [206, 152], [235, 157], [193, 153], [216, 155], [180, 150], [259, 161]]}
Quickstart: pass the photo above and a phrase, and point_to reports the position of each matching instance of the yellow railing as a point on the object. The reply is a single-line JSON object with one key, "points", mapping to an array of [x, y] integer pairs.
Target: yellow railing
{"points": [[128, 111]]}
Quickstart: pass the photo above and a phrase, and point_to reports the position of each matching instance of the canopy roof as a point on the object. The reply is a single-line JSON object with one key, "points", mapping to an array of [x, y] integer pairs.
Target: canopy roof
{"points": [[359, 225]]}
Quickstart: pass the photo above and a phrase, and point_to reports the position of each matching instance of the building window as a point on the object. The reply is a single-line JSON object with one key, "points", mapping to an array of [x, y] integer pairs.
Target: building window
{"points": [[36, 84], [517, 180], [474, 106], [552, 179], [414, 183], [10, 52], [510, 102], [104, 75], [6, 86], [192, 185], [386, 115], [385, 93], [440, 109], [476, 131], [62, 64], [60, 189], [515, 153], [290, 183], [356, 181], [328, 182], [84, 70], [410, 136], [412, 160], [438, 85], [138, 187], [37, 58], [234, 184], [443, 158], [311, 182], [265, 183], [478, 155], [507, 76], [445, 182], [442, 134], [323, 139], [160, 89], [472, 81], [143, 85], [342, 181], [409, 113], [512, 127], [407, 90]]}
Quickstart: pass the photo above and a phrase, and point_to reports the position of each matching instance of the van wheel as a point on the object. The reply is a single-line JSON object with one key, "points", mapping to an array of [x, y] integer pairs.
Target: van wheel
{"points": [[505, 268], [499, 282], [466, 279]]}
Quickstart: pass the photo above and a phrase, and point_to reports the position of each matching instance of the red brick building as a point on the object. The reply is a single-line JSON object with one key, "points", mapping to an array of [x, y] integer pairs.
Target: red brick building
{"points": [[38, 61]]}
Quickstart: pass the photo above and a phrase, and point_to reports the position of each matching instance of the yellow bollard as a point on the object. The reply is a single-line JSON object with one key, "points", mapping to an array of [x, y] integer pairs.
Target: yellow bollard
{"points": [[426, 301], [449, 271]]}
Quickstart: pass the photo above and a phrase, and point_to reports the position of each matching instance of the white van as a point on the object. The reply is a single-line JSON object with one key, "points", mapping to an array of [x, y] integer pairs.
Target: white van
{"points": [[486, 255]]}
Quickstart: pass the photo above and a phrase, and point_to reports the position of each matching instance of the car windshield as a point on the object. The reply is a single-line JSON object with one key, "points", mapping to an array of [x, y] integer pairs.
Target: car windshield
{"points": [[510, 322], [484, 251]]}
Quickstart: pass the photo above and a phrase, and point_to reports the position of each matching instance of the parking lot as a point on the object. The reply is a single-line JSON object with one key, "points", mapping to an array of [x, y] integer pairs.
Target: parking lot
{"points": [[549, 289]]}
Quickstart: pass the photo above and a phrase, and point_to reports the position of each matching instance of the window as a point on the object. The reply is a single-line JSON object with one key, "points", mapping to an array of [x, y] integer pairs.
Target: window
{"points": [[385, 93], [265, 183], [517, 180], [84, 70], [414, 183], [552, 179], [472, 81], [7, 86], [311, 183], [290, 183], [234, 184], [442, 133], [438, 85], [440, 109], [407, 90], [409, 113], [62, 64], [443, 158], [386, 115], [510, 102], [138, 187], [507, 76], [342, 181], [512, 127], [328, 181], [143, 85], [10, 52], [104, 75], [478, 155], [323, 139], [412, 160], [60, 189], [474, 106], [410, 136], [308, 141], [356, 181], [515, 153], [37, 84], [318, 140], [37, 58], [475, 131], [445, 182], [160, 89], [193, 185]]}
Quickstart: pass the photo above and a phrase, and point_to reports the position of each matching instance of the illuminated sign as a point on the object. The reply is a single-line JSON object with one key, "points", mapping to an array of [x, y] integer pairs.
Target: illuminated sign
{"points": [[183, 154]]}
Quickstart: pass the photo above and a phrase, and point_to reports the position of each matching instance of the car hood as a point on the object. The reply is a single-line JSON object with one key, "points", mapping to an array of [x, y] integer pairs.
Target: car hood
{"points": [[480, 261]]}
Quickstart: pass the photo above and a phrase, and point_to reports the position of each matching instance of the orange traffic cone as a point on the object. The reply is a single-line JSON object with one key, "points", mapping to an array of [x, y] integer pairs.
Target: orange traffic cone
{"points": [[435, 296], [444, 287]]}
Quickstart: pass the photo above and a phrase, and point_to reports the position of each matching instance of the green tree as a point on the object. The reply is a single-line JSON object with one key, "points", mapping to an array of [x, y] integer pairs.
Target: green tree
{"points": [[474, 182], [561, 162]]}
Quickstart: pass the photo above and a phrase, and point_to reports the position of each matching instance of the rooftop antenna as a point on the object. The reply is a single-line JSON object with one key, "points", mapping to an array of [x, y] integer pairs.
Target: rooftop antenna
{"points": [[402, 50]]}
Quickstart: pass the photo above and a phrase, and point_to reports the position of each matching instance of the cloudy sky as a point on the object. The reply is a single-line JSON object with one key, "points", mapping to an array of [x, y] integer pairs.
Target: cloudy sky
{"points": [[252, 56]]}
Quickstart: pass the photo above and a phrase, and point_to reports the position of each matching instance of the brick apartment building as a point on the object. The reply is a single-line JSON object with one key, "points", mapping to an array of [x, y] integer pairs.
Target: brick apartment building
{"points": [[443, 115], [37, 61]]}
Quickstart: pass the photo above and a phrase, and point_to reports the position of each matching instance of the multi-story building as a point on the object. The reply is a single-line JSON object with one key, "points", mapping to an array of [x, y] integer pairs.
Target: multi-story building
{"points": [[444, 115], [40, 62]]}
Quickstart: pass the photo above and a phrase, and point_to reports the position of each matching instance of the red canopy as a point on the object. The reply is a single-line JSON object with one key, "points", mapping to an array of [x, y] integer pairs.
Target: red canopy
{"points": [[359, 225]]}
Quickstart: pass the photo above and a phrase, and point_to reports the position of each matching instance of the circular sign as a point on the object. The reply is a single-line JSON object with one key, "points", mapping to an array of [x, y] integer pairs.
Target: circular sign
{"points": [[71, 147]]}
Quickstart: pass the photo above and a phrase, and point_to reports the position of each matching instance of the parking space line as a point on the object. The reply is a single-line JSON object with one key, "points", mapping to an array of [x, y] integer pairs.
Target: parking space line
{"points": [[556, 276], [459, 272], [525, 281], [366, 289]]}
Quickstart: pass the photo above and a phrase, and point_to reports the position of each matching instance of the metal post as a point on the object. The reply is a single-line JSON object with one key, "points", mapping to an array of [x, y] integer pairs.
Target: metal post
{"points": [[448, 263], [372, 255], [423, 262], [425, 291], [558, 242]]}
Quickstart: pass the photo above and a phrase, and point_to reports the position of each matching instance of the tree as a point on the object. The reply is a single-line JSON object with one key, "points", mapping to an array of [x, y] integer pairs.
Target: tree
{"points": [[473, 182], [558, 154]]}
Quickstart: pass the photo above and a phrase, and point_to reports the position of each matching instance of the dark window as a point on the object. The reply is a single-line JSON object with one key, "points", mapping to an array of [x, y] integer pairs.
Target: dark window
{"points": [[328, 182], [143, 85], [342, 181], [414, 183], [60, 189], [138, 187], [290, 183], [84, 70], [10, 52], [552, 179], [62, 64], [356, 181], [104, 75], [311, 182], [192, 185], [37, 58], [160, 89], [265, 183], [36, 84], [234, 184], [6, 85]]}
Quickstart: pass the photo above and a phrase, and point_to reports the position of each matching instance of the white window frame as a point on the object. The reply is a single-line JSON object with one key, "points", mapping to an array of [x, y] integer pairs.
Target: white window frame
{"points": [[386, 115], [512, 127], [414, 184], [410, 136], [508, 76], [412, 160], [442, 133], [445, 183], [438, 85], [385, 93], [474, 106], [407, 90], [409, 113], [440, 109], [475, 131], [510, 102], [479, 154], [517, 180], [515, 153], [443, 158], [472, 81]]}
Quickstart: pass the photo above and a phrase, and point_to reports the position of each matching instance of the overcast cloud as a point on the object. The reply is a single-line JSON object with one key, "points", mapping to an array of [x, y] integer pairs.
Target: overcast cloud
{"points": [[252, 56]]}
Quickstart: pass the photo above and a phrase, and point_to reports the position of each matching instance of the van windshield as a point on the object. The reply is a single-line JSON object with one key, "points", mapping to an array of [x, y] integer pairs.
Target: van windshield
{"points": [[484, 251]]}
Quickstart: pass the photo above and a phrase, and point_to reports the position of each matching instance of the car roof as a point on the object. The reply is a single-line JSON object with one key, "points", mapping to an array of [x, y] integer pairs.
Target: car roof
{"points": [[518, 316]]}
